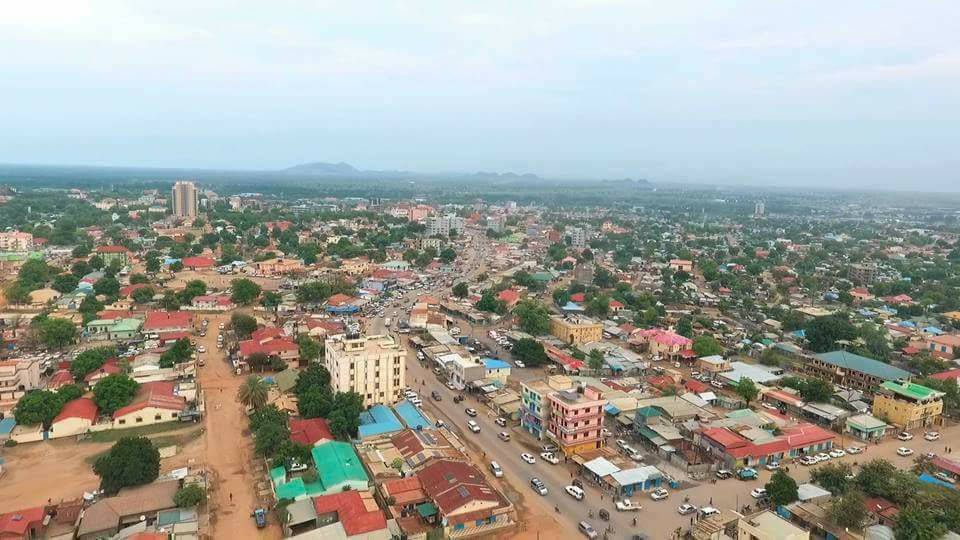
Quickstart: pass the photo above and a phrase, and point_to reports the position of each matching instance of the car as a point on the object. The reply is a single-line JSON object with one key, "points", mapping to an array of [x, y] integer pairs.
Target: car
{"points": [[904, 436], [716, 384], [626, 505], [929, 455], [220, 326], [451, 386], [622, 444], [837, 453], [809, 460], [685, 509], [436, 396], [931, 435], [501, 421], [773, 465], [587, 529], [550, 457], [549, 448], [528, 458], [470, 412], [416, 401], [723, 474], [474, 427], [538, 486], [519, 364], [769, 406], [201, 349], [854, 449], [659, 494], [904, 451], [495, 469], [504, 436], [823, 456], [945, 477], [203, 333], [758, 493], [605, 432], [574, 492]]}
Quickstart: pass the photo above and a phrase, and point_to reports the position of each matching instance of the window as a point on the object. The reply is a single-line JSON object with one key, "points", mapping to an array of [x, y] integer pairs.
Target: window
{"points": [[139, 419], [122, 422], [157, 418]]}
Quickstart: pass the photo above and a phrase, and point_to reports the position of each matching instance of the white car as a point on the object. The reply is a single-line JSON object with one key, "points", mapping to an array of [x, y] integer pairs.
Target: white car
{"points": [[685, 509], [773, 465], [809, 460], [504, 436], [574, 492], [474, 427], [528, 458], [931, 435], [837, 453], [854, 449], [659, 494], [201, 349], [904, 451], [758, 493], [904, 436], [550, 457], [519, 364], [626, 505], [823, 456]]}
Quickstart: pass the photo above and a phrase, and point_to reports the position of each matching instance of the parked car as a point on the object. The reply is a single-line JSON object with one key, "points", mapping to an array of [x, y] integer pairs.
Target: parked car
{"points": [[550, 457], [685, 509], [809, 460], [528, 458], [626, 505], [549, 448], [837, 453], [436, 395], [659, 494], [773, 465], [904, 451], [758, 493], [854, 449], [931, 435], [470, 412], [504, 436], [747, 473], [587, 529], [574, 492], [538, 486], [823, 456], [904, 436], [723, 474]]}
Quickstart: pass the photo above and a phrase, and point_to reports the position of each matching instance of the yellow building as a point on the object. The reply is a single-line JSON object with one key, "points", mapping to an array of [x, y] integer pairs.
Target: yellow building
{"points": [[908, 405], [576, 330]]}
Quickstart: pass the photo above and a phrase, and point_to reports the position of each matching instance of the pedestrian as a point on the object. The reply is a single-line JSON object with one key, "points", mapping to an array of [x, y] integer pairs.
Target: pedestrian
{"points": [[231, 497], [711, 501]]}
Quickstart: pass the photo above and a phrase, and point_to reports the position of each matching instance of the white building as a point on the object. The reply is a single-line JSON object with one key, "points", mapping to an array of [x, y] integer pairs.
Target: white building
{"points": [[578, 237], [442, 225], [372, 366], [184, 198]]}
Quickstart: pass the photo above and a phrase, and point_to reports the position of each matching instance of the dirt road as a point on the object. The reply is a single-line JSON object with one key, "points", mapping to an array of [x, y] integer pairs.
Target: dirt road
{"points": [[229, 449]]}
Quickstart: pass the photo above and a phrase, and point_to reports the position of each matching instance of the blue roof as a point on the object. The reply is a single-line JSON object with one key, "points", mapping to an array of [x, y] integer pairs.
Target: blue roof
{"points": [[848, 360], [611, 409], [343, 309], [572, 306], [411, 416], [908, 324], [933, 480], [378, 420], [495, 363], [933, 330], [800, 333], [7, 425]]}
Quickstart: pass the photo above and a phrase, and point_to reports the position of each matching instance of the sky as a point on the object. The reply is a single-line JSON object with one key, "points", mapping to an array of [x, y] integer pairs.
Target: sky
{"points": [[852, 94]]}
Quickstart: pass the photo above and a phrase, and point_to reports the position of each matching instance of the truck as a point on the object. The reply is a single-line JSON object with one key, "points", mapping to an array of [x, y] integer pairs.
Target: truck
{"points": [[260, 517], [747, 473], [626, 505]]}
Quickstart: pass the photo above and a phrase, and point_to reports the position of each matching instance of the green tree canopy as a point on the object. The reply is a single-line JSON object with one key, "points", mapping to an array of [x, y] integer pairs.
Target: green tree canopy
{"points": [[114, 392], [823, 333], [747, 389], [143, 295], [253, 392], [707, 346], [530, 352], [848, 510], [132, 461], [533, 316], [461, 290], [189, 496], [90, 360], [781, 488], [833, 477], [310, 349], [243, 325], [244, 291], [57, 333]]}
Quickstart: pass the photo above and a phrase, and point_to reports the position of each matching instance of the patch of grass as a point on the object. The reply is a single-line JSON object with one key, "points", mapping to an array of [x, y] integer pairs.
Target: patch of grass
{"points": [[179, 439], [143, 431]]}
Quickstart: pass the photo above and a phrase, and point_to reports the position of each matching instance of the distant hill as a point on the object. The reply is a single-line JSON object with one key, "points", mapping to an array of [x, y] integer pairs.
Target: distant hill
{"points": [[319, 167]]}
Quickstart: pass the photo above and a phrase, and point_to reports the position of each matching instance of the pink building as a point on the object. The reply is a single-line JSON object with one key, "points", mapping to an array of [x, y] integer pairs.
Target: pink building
{"points": [[661, 342], [576, 419]]}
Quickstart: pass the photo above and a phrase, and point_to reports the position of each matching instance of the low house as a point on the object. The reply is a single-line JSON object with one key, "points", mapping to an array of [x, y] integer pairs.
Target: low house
{"points": [[463, 500], [26, 524], [273, 343], [198, 263], [354, 513], [496, 370], [140, 504], [76, 417], [159, 322], [681, 265], [866, 427], [209, 302], [156, 402], [310, 431]]}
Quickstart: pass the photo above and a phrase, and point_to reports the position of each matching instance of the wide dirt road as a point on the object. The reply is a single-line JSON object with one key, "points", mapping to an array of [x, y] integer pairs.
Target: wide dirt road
{"points": [[229, 450]]}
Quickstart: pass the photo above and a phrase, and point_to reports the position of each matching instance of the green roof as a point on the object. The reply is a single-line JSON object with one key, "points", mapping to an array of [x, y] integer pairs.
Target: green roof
{"points": [[426, 509], [542, 276], [855, 362], [911, 390], [291, 490], [337, 464], [649, 411], [286, 379], [126, 325]]}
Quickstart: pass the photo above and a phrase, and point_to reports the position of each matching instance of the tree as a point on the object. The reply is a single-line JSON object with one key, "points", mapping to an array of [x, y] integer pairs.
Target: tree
{"points": [[143, 295], [90, 360], [707, 346], [34, 273], [259, 361], [603, 278], [114, 392], [69, 392], [315, 402], [244, 291], [107, 286], [38, 407], [533, 317], [595, 360], [271, 300], [685, 327], [848, 510], [919, 522], [132, 461], [267, 415], [782, 489], [489, 302], [189, 496], [137, 279], [833, 477], [253, 392], [65, 283], [309, 349], [530, 352], [152, 263], [823, 333], [345, 417], [460, 290], [746, 389], [192, 289], [314, 376], [448, 255], [243, 325], [876, 478], [56, 333], [176, 266]]}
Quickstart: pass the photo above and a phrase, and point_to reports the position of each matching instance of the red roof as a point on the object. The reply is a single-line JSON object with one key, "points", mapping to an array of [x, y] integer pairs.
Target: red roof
{"points": [[563, 358], [266, 333], [615, 304], [947, 375], [309, 431], [578, 297], [725, 438], [108, 368], [351, 512], [946, 464], [269, 347], [404, 490], [784, 397], [158, 395], [454, 484], [174, 336], [128, 290], [198, 262], [509, 296], [803, 435], [112, 249], [110, 314], [339, 299], [163, 320], [18, 524], [81, 407], [660, 381], [60, 378], [695, 386], [776, 446]]}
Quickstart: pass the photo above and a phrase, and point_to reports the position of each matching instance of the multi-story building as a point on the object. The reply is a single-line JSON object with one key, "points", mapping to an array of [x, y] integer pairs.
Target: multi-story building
{"points": [[576, 330], [184, 197], [534, 407], [17, 377], [908, 405], [576, 419], [442, 225], [578, 237], [15, 241], [372, 366], [852, 370], [862, 273], [496, 222]]}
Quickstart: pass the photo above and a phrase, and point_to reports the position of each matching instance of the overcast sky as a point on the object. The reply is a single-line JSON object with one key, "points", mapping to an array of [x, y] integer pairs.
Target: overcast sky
{"points": [[842, 94]]}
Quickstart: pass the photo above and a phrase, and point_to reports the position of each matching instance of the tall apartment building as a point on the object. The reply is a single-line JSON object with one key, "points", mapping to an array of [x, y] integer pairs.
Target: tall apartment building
{"points": [[184, 199], [496, 222], [908, 405], [863, 273], [535, 405], [17, 377], [576, 330], [15, 241], [442, 225], [578, 236], [372, 366], [575, 423]]}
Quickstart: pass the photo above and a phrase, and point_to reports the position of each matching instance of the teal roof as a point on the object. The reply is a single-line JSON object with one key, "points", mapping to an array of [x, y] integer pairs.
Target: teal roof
{"points": [[855, 362], [337, 464], [649, 411], [126, 325], [291, 490]]}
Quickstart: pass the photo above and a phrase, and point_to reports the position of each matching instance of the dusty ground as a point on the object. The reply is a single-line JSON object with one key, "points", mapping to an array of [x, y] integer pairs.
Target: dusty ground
{"points": [[228, 450], [219, 281]]}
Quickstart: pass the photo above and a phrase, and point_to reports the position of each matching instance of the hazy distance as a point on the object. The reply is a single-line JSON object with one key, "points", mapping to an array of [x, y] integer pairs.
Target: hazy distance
{"points": [[851, 94]]}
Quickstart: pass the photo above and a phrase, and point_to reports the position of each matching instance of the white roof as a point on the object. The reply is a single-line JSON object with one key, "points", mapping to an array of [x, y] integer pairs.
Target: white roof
{"points": [[638, 475], [805, 492], [707, 396], [601, 467]]}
